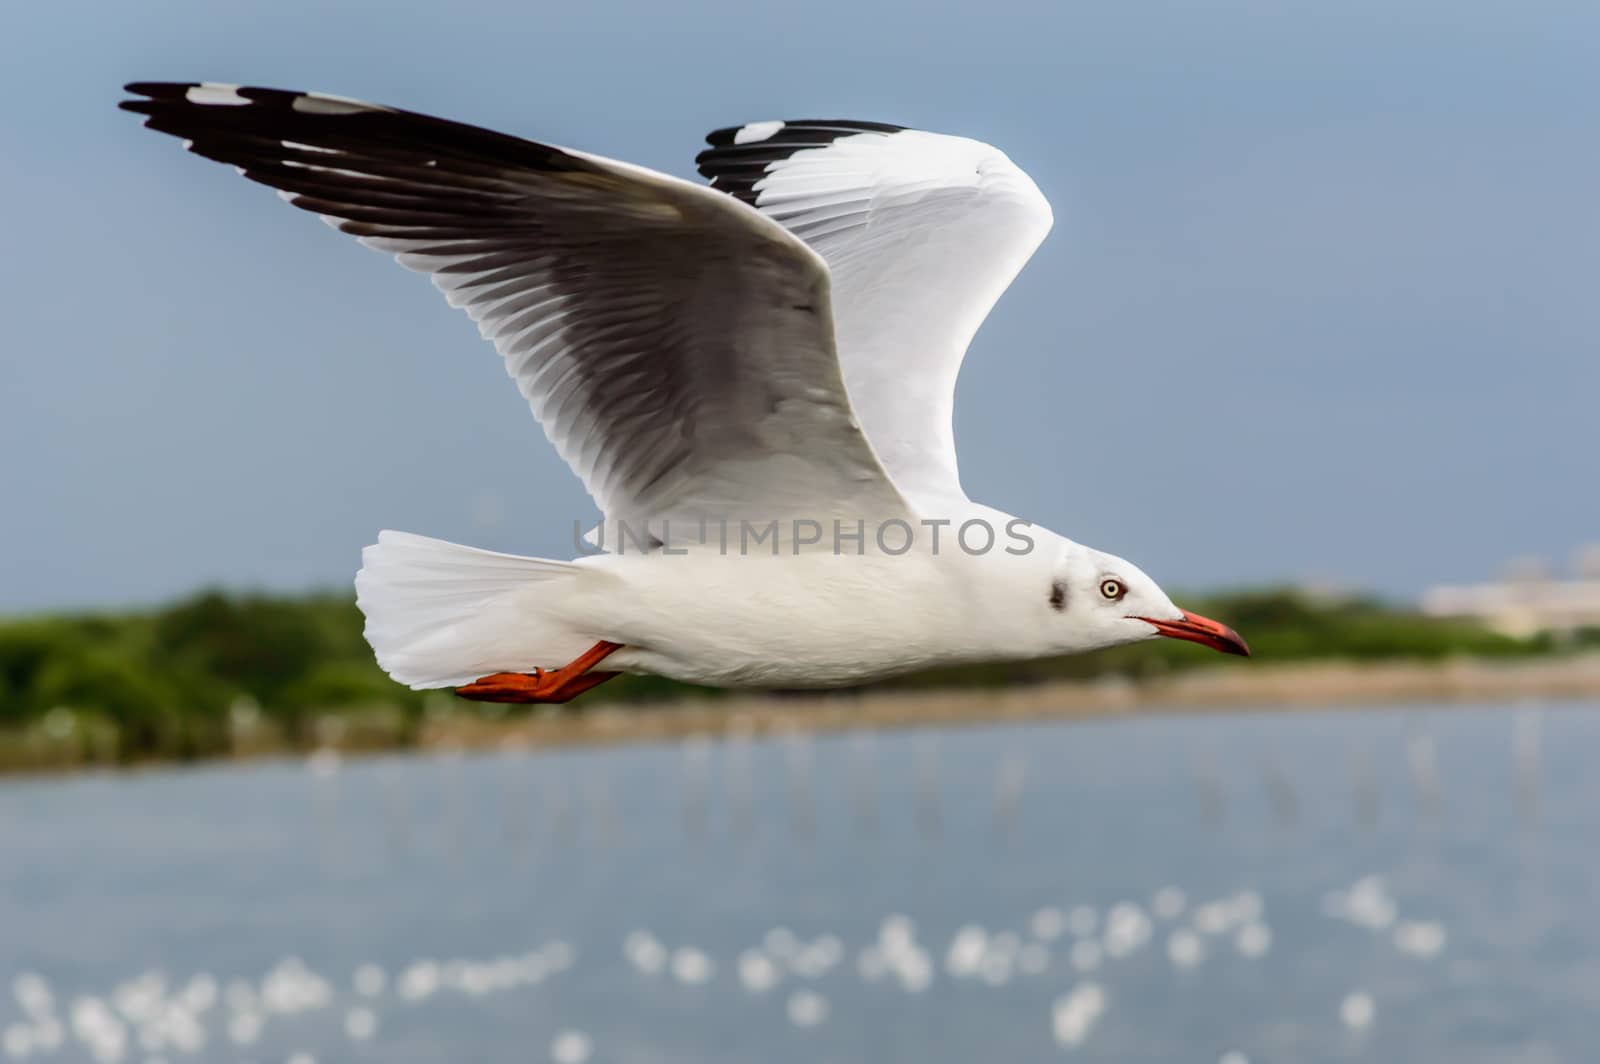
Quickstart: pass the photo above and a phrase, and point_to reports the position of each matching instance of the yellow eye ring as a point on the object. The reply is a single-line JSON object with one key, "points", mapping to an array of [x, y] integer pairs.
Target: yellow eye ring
{"points": [[1112, 589]]}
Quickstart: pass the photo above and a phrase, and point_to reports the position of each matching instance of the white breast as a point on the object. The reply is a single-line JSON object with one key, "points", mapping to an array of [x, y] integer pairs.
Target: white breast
{"points": [[817, 619]]}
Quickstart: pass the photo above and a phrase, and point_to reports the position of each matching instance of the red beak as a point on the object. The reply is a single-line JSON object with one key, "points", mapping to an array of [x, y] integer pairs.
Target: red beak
{"points": [[1202, 630]]}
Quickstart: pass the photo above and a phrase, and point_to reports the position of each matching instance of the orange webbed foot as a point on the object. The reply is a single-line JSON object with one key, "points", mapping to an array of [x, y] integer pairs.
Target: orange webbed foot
{"points": [[506, 687], [540, 686]]}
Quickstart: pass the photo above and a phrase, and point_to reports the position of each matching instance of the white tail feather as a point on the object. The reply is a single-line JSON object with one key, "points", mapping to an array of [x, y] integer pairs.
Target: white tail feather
{"points": [[441, 615]]}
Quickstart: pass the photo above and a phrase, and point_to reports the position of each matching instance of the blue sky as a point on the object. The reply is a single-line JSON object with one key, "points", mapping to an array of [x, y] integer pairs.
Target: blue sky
{"points": [[1319, 303]]}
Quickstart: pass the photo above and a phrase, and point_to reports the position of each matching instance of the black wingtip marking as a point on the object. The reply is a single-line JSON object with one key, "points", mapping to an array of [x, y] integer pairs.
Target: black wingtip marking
{"points": [[735, 168], [250, 131], [839, 127], [170, 90]]}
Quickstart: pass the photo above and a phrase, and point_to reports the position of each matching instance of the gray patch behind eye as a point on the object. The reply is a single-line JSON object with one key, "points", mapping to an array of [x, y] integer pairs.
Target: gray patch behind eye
{"points": [[1058, 596]]}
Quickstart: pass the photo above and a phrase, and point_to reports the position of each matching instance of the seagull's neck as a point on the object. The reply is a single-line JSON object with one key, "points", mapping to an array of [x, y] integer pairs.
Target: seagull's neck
{"points": [[1005, 593]]}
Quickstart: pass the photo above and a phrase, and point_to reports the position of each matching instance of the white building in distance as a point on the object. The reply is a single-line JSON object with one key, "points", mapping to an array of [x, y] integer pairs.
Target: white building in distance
{"points": [[1529, 600]]}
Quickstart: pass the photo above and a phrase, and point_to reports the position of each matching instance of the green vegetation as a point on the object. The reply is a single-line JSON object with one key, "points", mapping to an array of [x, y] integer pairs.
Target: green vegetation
{"points": [[220, 673]]}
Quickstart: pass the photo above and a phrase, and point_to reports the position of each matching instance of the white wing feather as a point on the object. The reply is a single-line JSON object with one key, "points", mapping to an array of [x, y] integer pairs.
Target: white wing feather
{"points": [[922, 233]]}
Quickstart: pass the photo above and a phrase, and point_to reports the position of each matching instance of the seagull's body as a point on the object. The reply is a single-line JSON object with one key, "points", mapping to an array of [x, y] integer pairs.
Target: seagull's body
{"points": [[754, 379], [813, 619]]}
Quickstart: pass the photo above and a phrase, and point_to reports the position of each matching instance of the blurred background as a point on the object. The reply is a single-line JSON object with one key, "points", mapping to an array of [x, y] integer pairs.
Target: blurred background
{"points": [[1351, 248]]}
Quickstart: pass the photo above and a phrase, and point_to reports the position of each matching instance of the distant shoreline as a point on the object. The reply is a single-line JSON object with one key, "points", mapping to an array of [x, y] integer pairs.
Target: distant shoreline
{"points": [[1227, 688], [1308, 685]]}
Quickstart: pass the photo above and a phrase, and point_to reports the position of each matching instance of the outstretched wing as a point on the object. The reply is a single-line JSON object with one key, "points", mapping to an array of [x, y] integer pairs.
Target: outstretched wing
{"points": [[676, 346], [922, 232]]}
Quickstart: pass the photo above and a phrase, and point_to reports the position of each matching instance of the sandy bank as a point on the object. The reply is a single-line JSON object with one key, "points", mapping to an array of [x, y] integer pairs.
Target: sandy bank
{"points": [[1244, 686]]}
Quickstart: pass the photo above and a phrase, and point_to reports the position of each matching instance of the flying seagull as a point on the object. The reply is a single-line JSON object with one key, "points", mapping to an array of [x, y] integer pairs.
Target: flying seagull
{"points": [[753, 378]]}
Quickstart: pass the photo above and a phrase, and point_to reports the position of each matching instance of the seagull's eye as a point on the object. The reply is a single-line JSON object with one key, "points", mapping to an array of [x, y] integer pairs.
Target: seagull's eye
{"points": [[1112, 589]]}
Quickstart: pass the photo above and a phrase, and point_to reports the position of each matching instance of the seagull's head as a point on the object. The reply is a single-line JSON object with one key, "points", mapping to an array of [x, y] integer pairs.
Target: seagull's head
{"points": [[1108, 601]]}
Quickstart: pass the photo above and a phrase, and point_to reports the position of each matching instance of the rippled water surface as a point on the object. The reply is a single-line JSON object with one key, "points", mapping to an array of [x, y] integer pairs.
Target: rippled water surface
{"points": [[1414, 885]]}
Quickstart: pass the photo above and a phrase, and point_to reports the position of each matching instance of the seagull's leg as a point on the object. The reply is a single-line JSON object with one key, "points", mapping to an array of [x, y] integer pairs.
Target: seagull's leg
{"points": [[557, 685]]}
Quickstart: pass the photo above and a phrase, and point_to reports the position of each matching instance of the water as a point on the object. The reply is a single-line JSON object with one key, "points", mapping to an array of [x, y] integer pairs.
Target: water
{"points": [[1371, 885]]}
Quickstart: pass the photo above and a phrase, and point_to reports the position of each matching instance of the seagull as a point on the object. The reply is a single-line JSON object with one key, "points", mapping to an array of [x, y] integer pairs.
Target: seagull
{"points": [[754, 379]]}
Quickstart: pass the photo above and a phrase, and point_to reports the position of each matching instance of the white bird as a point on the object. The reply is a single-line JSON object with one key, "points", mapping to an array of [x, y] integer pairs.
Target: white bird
{"points": [[754, 381]]}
